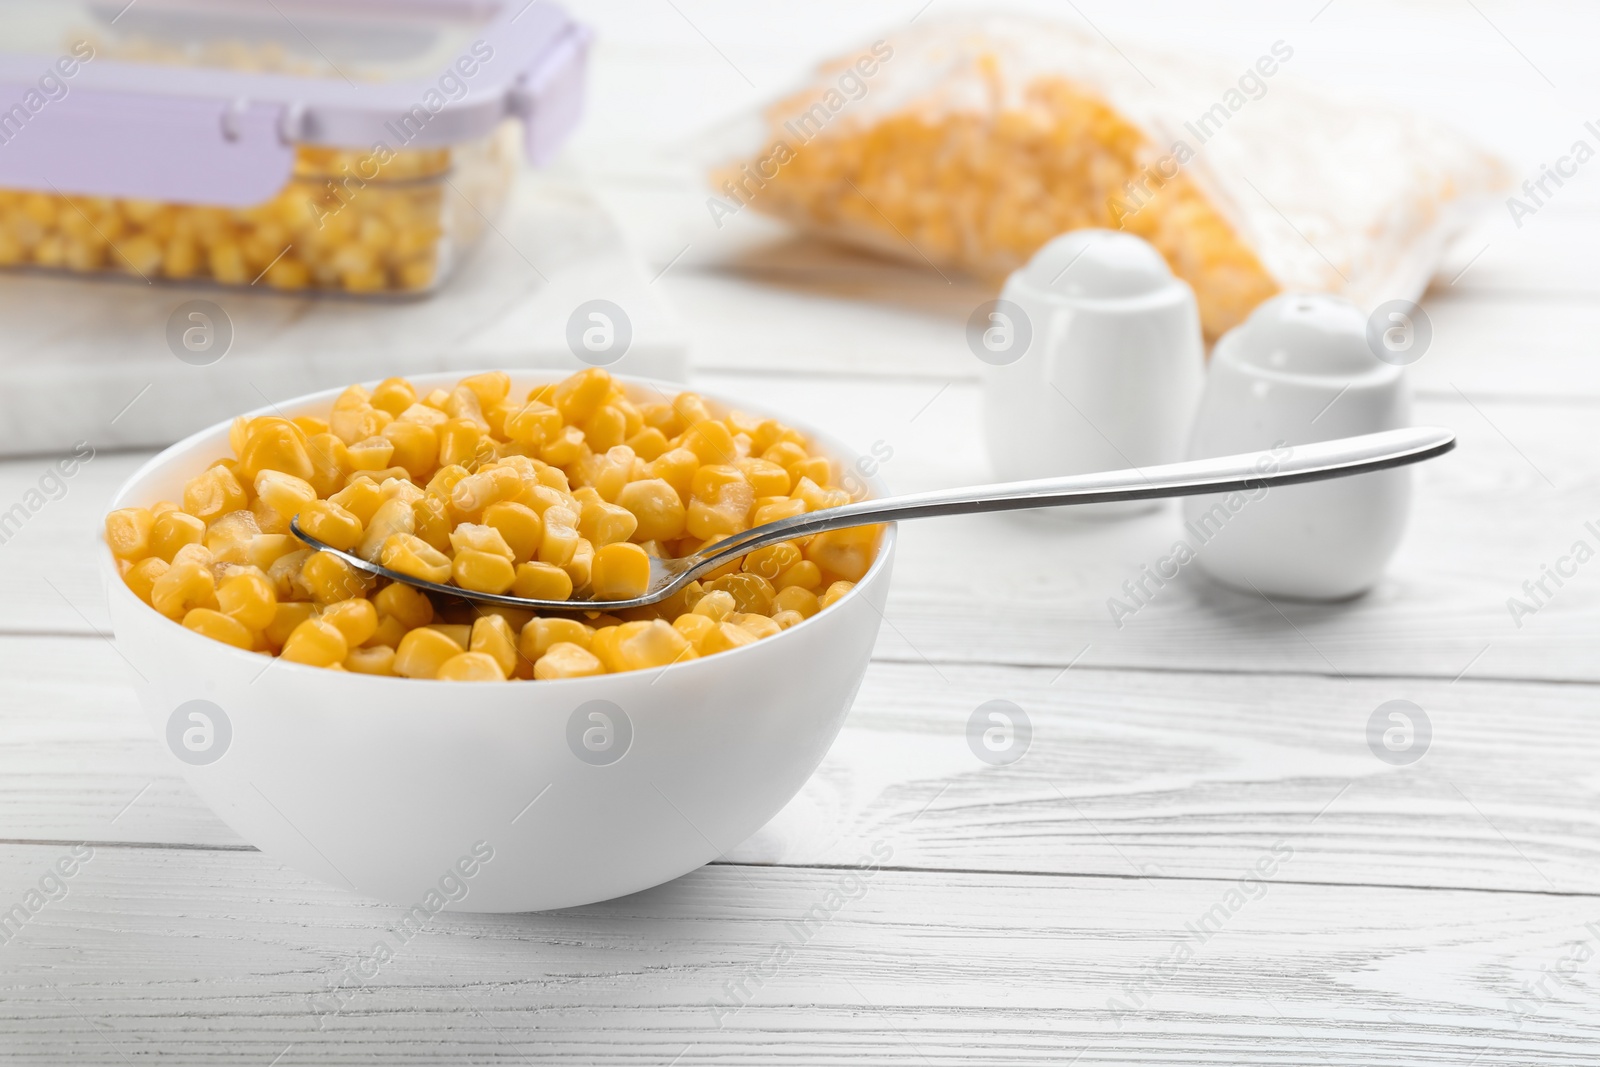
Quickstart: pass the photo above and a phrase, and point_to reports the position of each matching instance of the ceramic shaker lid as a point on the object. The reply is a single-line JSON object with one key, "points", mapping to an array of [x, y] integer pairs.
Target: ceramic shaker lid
{"points": [[1097, 265]]}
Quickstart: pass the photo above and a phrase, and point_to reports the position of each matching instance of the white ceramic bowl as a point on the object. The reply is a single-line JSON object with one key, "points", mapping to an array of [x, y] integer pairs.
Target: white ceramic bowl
{"points": [[473, 796]]}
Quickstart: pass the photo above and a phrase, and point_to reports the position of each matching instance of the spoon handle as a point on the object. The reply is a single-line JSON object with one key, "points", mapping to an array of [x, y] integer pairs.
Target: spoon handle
{"points": [[1284, 465]]}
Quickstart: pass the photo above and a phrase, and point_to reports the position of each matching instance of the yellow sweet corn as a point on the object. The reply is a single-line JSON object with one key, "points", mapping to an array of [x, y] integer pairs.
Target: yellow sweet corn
{"points": [[219, 627], [493, 636], [317, 643], [249, 598], [128, 533], [452, 488], [411, 555], [422, 652], [621, 571], [378, 659], [470, 667], [331, 524]]}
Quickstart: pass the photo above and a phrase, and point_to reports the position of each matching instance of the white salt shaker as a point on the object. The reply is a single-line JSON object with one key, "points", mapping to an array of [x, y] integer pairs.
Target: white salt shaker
{"points": [[1299, 370], [1095, 362]]}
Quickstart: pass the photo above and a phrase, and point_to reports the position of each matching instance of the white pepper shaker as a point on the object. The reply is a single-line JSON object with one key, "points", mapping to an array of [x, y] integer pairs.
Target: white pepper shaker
{"points": [[1297, 371], [1095, 362]]}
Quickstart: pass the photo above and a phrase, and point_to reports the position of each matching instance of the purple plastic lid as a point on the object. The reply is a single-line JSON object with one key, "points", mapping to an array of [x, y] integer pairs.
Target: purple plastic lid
{"points": [[139, 100]]}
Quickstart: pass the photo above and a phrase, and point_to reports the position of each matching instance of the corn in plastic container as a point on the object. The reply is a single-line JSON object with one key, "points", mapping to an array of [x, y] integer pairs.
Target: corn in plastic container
{"points": [[969, 142], [334, 145]]}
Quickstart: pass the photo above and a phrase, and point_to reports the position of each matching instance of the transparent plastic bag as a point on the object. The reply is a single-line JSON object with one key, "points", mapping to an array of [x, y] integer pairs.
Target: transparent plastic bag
{"points": [[968, 143]]}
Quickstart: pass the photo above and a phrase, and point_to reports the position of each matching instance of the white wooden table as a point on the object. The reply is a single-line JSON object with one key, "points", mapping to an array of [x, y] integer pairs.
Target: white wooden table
{"points": [[1447, 912]]}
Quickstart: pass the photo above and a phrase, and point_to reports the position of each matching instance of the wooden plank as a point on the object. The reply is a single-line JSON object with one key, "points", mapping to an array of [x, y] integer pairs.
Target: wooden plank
{"points": [[1126, 774], [1035, 590], [199, 956]]}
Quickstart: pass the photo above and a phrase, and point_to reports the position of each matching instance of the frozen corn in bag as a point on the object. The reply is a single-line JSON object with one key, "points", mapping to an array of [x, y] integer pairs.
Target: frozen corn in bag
{"points": [[969, 143]]}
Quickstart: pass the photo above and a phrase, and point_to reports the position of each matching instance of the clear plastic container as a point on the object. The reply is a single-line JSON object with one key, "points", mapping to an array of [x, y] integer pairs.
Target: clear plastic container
{"points": [[339, 145]]}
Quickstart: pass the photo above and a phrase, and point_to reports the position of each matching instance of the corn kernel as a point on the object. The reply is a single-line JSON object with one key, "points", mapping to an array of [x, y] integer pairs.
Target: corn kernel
{"points": [[394, 517], [172, 530], [751, 593], [716, 605], [577, 397], [621, 571], [284, 493], [264, 549], [285, 618], [470, 667], [316, 643], [542, 581], [370, 454], [477, 491], [389, 632], [360, 498], [539, 635], [560, 536], [181, 587], [724, 637], [476, 537], [277, 445], [422, 652], [219, 627], [411, 606], [483, 572], [519, 527], [416, 447], [250, 598], [773, 560], [128, 533], [356, 618], [430, 520], [141, 577], [414, 557], [797, 599], [564, 660], [459, 632], [765, 477], [393, 395], [787, 619], [847, 553], [835, 591], [379, 659], [287, 577], [643, 645], [657, 509], [213, 493], [330, 579], [804, 575], [331, 524], [494, 637]]}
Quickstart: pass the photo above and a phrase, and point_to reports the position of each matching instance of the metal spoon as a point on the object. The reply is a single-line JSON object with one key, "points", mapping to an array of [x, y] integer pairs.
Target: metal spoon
{"points": [[1338, 458]]}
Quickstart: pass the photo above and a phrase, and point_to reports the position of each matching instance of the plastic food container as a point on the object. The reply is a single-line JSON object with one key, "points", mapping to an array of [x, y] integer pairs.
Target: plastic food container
{"points": [[341, 145]]}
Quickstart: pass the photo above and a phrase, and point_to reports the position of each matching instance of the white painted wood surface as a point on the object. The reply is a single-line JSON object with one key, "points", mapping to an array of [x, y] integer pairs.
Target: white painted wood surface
{"points": [[1443, 913]]}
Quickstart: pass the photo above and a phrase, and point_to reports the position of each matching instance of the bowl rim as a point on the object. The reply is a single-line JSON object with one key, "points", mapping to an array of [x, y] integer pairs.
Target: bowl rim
{"points": [[836, 450]]}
